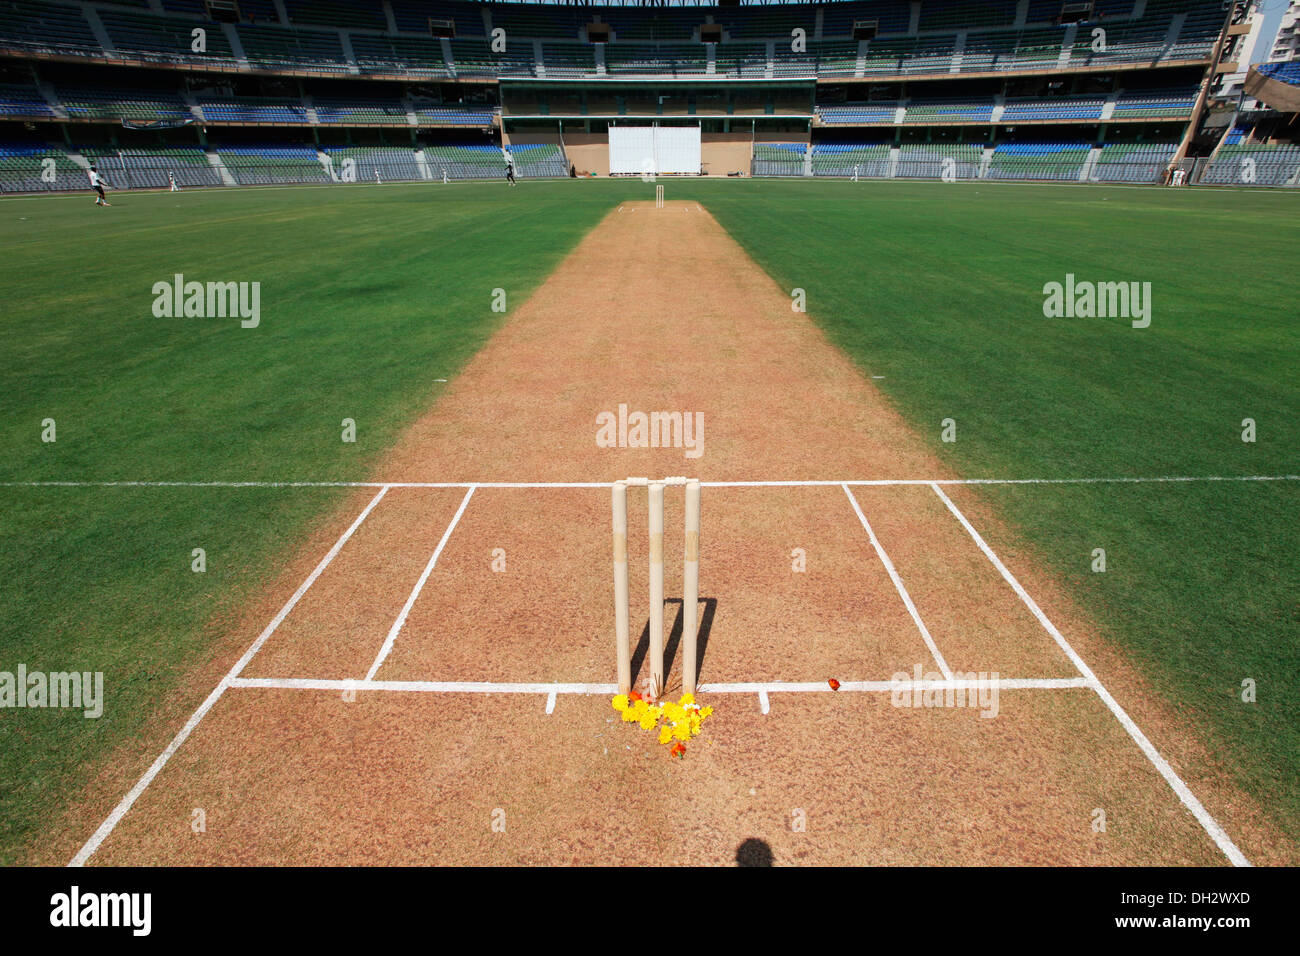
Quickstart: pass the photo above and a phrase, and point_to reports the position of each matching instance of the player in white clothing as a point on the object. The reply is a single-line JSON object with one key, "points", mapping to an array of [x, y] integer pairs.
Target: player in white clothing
{"points": [[97, 183]]}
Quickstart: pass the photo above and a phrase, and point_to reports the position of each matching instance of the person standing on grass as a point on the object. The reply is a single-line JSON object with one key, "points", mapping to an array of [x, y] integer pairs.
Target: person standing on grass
{"points": [[510, 172], [171, 183], [97, 183]]}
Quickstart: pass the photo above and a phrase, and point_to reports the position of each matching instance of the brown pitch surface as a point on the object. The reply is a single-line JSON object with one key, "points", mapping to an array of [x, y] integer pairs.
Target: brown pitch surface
{"points": [[662, 310]]}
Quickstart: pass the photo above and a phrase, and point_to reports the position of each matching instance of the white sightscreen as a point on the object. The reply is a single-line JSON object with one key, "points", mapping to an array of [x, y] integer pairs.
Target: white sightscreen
{"points": [[654, 149]]}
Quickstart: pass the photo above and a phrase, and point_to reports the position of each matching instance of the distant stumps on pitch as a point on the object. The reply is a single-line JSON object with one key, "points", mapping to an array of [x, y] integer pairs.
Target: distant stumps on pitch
{"points": [[659, 196]]}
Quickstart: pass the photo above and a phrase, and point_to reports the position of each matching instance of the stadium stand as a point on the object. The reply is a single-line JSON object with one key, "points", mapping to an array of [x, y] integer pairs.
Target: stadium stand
{"points": [[393, 163], [35, 167], [1062, 108], [858, 114], [1058, 161], [839, 159], [1148, 104], [148, 168], [779, 159], [262, 165], [50, 29], [1132, 162], [369, 65], [931, 113], [23, 101], [140, 105], [1254, 165], [1288, 72], [957, 161]]}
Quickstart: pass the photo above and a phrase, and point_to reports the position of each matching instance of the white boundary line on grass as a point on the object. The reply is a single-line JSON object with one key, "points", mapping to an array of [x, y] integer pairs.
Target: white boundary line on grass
{"points": [[898, 585], [792, 483], [419, 586], [1211, 826], [226, 682]]}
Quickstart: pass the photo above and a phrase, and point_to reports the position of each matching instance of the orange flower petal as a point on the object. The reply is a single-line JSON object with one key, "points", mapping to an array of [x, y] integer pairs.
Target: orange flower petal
{"points": [[835, 685]]}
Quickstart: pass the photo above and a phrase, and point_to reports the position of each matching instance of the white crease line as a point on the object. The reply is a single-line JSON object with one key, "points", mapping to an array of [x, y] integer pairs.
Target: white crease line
{"points": [[762, 688], [888, 686], [1211, 826], [155, 768], [764, 705], [422, 686], [813, 483], [550, 702], [898, 585], [419, 586]]}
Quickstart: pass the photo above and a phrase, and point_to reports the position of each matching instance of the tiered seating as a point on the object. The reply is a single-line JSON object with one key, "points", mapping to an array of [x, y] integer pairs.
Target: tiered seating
{"points": [[1043, 11], [635, 23], [674, 58], [887, 56], [188, 6], [24, 168], [538, 160], [893, 16], [1133, 162], [248, 109], [764, 21], [1062, 161], [986, 52], [339, 14], [148, 168], [475, 58], [833, 57], [859, 114], [1141, 104], [413, 16], [32, 26], [18, 100], [262, 165], [453, 116], [779, 159], [1057, 108], [936, 161], [1200, 29], [141, 105], [144, 36], [841, 159], [932, 112], [1139, 42], [1285, 72], [413, 55], [557, 22], [568, 59], [470, 161], [959, 14], [394, 163], [372, 112], [740, 59], [277, 47], [1254, 166]]}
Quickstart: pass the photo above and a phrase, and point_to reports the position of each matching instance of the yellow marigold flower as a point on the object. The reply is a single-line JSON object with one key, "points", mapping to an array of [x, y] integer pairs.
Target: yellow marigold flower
{"points": [[705, 711], [648, 722], [665, 734], [688, 699], [620, 702]]}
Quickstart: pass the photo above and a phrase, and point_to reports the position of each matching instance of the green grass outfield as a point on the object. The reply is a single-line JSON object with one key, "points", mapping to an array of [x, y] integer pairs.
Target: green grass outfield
{"points": [[369, 294]]}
